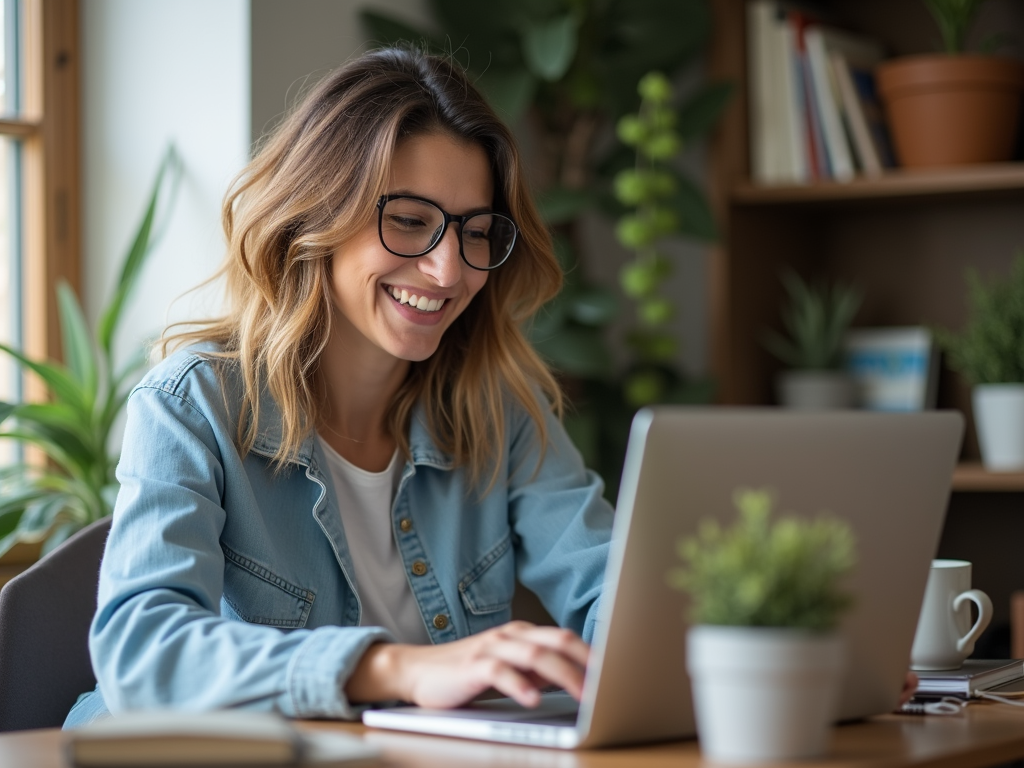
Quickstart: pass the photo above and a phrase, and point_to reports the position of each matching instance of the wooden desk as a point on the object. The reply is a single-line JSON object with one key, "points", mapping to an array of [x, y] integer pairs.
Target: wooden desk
{"points": [[983, 735]]}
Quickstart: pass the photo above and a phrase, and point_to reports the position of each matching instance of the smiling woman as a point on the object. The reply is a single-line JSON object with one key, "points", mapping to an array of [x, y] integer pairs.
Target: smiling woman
{"points": [[327, 495]]}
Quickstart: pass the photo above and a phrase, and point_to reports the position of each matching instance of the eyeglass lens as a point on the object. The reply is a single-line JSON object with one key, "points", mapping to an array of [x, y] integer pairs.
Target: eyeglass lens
{"points": [[411, 227]]}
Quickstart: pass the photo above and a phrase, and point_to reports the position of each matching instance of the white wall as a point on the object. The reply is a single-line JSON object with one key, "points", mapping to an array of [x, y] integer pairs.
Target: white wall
{"points": [[156, 72]]}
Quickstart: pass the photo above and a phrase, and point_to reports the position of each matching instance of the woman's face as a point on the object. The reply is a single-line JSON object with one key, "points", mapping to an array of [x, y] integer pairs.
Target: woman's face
{"points": [[365, 277]]}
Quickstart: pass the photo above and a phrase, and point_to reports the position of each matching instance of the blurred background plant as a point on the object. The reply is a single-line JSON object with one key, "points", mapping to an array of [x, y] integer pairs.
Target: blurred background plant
{"points": [[759, 572], [954, 19], [73, 484], [990, 347], [648, 193], [562, 73], [816, 319]]}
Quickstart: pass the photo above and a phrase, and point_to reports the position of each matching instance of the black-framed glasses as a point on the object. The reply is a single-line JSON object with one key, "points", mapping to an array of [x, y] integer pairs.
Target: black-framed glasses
{"points": [[411, 226]]}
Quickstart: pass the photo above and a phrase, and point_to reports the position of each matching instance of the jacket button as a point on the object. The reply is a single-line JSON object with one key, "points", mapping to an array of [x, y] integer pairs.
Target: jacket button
{"points": [[419, 568], [405, 525], [440, 621]]}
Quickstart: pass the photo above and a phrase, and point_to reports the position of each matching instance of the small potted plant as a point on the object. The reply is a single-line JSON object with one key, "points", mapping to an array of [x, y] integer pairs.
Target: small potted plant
{"points": [[816, 320], [989, 353], [763, 652], [953, 107]]}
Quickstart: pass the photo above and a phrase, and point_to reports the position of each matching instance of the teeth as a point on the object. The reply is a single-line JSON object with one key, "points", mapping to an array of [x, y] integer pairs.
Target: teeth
{"points": [[421, 303]]}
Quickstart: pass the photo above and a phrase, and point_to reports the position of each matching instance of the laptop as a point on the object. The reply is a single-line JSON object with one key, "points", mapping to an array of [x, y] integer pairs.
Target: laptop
{"points": [[888, 475]]}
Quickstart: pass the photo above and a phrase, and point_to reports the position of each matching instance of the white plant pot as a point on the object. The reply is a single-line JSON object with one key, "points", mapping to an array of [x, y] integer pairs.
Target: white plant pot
{"points": [[816, 390], [762, 694], [999, 421]]}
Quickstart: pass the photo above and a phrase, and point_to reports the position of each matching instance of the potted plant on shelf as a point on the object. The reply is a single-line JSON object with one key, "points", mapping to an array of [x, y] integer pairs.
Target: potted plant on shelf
{"points": [[816, 320], [763, 651], [953, 107], [43, 503], [989, 353]]}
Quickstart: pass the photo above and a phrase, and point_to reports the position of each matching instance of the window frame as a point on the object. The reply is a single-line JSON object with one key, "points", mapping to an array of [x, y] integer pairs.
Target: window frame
{"points": [[48, 127]]}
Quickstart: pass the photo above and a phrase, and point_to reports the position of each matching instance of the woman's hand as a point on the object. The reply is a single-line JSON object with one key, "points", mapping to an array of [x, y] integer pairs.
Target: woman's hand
{"points": [[517, 659]]}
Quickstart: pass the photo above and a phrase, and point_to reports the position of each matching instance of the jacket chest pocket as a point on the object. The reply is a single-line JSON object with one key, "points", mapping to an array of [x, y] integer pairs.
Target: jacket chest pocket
{"points": [[487, 588], [256, 595]]}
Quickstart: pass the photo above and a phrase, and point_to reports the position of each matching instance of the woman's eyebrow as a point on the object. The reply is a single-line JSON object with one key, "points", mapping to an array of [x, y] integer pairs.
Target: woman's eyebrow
{"points": [[412, 193]]}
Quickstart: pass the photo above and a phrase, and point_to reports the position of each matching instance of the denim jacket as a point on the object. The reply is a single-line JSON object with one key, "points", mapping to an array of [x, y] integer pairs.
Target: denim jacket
{"points": [[226, 583]]}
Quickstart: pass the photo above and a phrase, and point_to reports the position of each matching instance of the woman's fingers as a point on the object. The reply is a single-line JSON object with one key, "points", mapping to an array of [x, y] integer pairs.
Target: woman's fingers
{"points": [[517, 659], [563, 641], [547, 662]]}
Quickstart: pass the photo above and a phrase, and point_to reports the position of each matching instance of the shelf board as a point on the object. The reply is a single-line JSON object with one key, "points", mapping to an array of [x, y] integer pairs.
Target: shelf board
{"points": [[896, 184], [971, 476]]}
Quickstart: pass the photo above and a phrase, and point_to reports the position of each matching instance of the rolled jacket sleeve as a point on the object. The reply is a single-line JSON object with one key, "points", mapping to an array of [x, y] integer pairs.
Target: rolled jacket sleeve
{"points": [[562, 523], [158, 638]]}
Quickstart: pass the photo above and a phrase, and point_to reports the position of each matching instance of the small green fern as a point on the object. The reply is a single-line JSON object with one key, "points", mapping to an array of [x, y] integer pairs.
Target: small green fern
{"points": [[990, 348], [785, 573], [816, 320]]}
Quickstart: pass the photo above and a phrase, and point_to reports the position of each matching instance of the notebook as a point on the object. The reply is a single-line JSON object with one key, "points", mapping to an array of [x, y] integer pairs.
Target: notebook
{"points": [[887, 475], [975, 675]]}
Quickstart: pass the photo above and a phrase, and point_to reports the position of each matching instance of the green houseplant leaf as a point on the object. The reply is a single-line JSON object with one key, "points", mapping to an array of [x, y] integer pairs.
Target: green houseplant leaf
{"points": [[549, 47], [72, 428]]}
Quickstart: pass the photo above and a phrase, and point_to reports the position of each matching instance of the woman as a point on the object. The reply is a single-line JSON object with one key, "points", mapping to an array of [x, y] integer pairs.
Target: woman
{"points": [[327, 495]]}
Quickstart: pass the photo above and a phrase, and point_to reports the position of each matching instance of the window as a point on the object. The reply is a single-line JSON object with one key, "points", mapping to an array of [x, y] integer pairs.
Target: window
{"points": [[39, 180]]}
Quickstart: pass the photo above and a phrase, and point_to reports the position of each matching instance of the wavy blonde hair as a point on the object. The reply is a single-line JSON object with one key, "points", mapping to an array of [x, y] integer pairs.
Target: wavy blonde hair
{"points": [[311, 187]]}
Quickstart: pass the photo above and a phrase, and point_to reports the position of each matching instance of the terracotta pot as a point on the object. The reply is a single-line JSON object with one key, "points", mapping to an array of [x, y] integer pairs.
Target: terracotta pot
{"points": [[952, 110]]}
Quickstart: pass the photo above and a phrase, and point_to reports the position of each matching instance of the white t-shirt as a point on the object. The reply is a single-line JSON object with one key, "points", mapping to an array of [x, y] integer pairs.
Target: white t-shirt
{"points": [[365, 500]]}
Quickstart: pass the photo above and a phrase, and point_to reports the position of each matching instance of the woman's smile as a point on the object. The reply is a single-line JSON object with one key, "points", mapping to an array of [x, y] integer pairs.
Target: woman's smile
{"points": [[402, 306]]}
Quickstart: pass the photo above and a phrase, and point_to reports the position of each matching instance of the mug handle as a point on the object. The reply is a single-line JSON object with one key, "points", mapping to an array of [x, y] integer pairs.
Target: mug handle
{"points": [[984, 604]]}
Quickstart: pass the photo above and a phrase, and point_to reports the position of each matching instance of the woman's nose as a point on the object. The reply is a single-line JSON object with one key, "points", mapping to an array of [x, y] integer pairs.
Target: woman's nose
{"points": [[444, 263]]}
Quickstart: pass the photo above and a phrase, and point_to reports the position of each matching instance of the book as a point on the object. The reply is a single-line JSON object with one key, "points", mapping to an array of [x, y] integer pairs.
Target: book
{"points": [[895, 369], [820, 42], [762, 158], [862, 112], [219, 738], [813, 137], [975, 676], [777, 127]]}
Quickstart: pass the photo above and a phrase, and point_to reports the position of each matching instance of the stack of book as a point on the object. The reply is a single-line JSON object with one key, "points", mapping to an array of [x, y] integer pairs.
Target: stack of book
{"points": [[814, 111]]}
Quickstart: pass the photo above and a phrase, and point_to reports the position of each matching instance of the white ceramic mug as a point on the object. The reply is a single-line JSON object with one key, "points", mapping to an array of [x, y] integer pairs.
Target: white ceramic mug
{"points": [[945, 635]]}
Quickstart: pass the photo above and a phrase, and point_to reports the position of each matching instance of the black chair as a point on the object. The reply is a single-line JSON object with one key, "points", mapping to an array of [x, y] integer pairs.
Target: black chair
{"points": [[44, 627]]}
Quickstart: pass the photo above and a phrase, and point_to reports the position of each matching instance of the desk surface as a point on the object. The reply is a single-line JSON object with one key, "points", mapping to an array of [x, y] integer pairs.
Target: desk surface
{"points": [[983, 735]]}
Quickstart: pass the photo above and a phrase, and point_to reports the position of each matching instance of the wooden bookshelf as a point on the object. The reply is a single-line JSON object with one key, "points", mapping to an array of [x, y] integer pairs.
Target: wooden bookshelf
{"points": [[905, 238], [976, 181], [972, 476]]}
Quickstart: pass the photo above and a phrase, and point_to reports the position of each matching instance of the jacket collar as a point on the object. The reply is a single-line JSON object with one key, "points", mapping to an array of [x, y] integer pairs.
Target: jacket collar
{"points": [[421, 443]]}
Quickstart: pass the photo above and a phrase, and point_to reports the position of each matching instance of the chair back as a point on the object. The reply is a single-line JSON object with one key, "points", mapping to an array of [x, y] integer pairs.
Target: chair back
{"points": [[45, 614]]}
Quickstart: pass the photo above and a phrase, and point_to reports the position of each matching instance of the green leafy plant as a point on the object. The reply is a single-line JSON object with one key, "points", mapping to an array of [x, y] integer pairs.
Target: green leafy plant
{"points": [[990, 348], [649, 192], [760, 573], [954, 18], [816, 320], [75, 485]]}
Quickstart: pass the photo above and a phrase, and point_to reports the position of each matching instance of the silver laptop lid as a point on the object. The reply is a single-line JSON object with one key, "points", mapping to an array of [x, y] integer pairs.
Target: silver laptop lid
{"points": [[887, 475]]}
